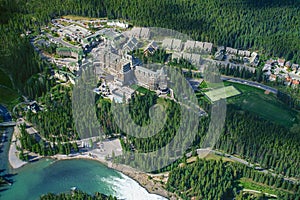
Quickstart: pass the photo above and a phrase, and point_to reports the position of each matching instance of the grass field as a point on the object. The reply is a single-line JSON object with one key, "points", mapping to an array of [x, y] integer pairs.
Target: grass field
{"points": [[210, 156], [265, 105], [247, 183], [212, 85], [74, 17], [140, 89], [222, 93]]}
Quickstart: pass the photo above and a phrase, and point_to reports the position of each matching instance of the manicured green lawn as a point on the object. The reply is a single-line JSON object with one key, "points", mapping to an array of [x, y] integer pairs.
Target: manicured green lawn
{"points": [[265, 105], [140, 89], [244, 88], [222, 93], [211, 85]]}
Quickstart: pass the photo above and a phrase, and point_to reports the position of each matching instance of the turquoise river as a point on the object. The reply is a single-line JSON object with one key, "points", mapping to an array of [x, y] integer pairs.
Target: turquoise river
{"points": [[47, 175]]}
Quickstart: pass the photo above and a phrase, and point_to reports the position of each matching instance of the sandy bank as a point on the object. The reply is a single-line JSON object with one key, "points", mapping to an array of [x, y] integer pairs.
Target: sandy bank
{"points": [[152, 186], [13, 154]]}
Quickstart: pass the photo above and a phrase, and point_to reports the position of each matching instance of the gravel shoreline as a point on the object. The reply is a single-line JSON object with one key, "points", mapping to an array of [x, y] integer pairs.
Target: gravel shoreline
{"points": [[152, 186], [14, 161]]}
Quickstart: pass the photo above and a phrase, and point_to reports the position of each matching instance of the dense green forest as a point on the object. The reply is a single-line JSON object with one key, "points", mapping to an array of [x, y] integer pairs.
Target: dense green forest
{"points": [[273, 27], [139, 106], [241, 73], [77, 195], [245, 134], [211, 179], [269, 26], [39, 146], [57, 123], [290, 96], [261, 141]]}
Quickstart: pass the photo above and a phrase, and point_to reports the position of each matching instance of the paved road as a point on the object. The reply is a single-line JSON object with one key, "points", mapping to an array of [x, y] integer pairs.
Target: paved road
{"points": [[242, 161], [26, 101], [259, 192], [60, 40], [14, 161], [250, 83], [243, 81]]}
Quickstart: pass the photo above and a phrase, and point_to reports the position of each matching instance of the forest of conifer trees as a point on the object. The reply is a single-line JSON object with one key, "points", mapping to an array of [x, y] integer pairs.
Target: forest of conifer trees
{"points": [[271, 27]]}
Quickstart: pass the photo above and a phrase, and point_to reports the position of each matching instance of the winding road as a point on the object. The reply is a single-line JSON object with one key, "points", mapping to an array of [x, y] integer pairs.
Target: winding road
{"points": [[61, 41], [242, 161], [250, 83]]}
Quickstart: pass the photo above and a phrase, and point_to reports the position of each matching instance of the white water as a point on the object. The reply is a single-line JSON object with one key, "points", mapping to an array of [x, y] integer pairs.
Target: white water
{"points": [[128, 189]]}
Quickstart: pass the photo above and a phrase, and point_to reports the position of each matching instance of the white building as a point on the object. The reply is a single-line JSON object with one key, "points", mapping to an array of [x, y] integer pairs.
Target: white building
{"points": [[118, 24]]}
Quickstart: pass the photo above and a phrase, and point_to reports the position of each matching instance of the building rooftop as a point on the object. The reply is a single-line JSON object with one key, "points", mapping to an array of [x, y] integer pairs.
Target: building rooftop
{"points": [[131, 44], [294, 76], [167, 43], [231, 50], [195, 58], [109, 33], [145, 33], [177, 45], [208, 46], [134, 32], [176, 55], [153, 44], [187, 56], [189, 45], [149, 71]]}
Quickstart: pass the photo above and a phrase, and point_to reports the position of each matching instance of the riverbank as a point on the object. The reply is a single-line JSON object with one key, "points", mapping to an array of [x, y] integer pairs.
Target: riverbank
{"points": [[13, 154], [5, 144], [143, 179], [152, 186]]}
